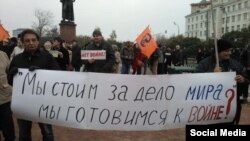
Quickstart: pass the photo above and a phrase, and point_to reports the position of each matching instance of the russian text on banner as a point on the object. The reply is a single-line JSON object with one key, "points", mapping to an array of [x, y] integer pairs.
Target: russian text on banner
{"points": [[123, 102]]}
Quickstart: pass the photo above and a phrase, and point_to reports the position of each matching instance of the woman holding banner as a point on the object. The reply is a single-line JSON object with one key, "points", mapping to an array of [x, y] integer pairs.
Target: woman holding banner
{"points": [[226, 64]]}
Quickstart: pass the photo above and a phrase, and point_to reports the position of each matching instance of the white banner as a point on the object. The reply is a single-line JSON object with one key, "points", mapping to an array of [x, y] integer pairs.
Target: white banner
{"points": [[93, 54], [123, 102]]}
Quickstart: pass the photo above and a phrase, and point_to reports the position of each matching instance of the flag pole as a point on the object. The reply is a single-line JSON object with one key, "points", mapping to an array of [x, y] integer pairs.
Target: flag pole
{"points": [[215, 36]]}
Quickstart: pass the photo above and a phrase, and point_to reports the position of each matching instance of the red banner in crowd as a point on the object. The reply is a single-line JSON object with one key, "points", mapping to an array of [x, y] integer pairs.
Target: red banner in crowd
{"points": [[146, 42]]}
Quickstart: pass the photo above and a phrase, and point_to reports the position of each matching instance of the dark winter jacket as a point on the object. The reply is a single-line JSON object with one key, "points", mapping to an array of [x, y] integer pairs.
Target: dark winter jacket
{"points": [[104, 66], [40, 59], [208, 64]]}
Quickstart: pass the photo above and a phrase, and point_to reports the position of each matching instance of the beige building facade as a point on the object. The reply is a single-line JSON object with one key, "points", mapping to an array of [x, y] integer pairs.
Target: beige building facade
{"points": [[228, 15]]}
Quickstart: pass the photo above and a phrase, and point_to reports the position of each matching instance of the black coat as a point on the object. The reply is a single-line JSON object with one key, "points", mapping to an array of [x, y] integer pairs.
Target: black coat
{"points": [[40, 59], [104, 66], [76, 57], [208, 64]]}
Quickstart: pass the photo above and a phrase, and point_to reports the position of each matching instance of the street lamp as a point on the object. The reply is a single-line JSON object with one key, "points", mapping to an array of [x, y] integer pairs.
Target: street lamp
{"points": [[207, 25], [177, 28], [225, 21], [224, 12], [158, 34]]}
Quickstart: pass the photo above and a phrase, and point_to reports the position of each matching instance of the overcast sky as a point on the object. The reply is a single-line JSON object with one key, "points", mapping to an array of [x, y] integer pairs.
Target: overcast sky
{"points": [[127, 17]]}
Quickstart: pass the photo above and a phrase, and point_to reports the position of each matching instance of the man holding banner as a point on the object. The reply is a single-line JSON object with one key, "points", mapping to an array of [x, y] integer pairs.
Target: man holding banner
{"points": [[102, 64], [226, 64], [32, 58]]}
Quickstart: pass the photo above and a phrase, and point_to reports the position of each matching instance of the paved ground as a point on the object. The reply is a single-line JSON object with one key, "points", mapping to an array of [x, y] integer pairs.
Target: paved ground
{"points": [[69, 134]]}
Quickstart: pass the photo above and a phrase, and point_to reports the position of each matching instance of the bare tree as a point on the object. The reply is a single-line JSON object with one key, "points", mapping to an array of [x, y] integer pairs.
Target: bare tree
{"points": [[53, 32], [44, 21]]}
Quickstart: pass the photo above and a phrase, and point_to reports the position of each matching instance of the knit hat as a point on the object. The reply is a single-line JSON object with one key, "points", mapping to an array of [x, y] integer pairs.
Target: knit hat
{"points": [[97, 32], [223, 45]]}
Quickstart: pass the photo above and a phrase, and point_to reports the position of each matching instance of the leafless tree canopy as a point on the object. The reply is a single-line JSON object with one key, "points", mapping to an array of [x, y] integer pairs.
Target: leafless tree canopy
{"points": [[44, 21]]}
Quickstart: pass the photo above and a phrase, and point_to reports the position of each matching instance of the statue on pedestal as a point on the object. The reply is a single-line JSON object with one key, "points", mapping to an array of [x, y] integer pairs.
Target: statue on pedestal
{"points": [[67, 10]]}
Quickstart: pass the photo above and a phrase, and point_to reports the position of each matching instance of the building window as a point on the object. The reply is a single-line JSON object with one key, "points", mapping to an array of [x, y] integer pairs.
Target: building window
{"points": [[200, 33], [201, 17], [188, 27], [233, 18], [233, 7], [223, 10], [246, 4], [223, 20], [222, 30], [192, 27], [238, 27], [239, 6], [201, 25], [197, 18], [232, 28], [244, 26], [228, 9], [245, 16], [228, 18], [196, 26], [215, 13], [239, 17]]}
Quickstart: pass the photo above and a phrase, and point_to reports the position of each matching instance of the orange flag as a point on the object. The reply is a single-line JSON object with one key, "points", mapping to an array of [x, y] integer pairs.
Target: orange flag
{"points": [[146, 42], [3, 33]]}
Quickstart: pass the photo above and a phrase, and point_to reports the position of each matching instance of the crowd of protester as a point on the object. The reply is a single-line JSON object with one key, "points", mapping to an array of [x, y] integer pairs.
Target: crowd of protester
{"points": [[56, 54]]}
